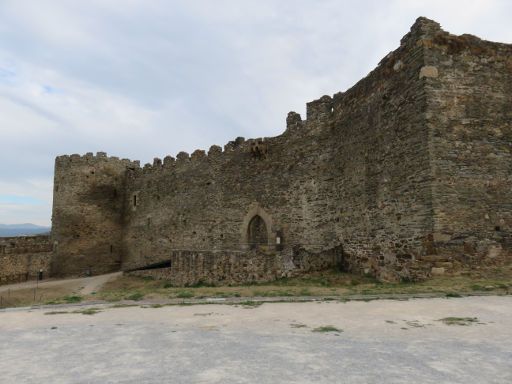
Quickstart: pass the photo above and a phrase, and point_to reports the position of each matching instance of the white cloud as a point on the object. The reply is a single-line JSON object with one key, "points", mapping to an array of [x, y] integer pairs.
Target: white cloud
{"points": [[140, 79]]}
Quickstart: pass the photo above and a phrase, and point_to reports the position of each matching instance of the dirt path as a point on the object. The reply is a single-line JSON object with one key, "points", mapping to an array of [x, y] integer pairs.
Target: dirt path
{"points": [[87, 285]]}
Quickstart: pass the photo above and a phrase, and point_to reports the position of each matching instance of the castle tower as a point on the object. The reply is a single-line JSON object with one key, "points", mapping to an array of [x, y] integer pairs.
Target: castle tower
{"points": [[87, 214]]}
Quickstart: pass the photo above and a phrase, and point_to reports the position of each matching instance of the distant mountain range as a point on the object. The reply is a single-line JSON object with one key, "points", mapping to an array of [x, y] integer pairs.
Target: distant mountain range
{"points": [[27, 229]]}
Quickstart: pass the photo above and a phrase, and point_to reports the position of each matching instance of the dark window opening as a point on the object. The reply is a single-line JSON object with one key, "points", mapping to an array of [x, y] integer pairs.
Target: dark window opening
{"points": [[134, 200], [114, 192], [257, 232], [149, 221], [111, 248], [497, 228]]}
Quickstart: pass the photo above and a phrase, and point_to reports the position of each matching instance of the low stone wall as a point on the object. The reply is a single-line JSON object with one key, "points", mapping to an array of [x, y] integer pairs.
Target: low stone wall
{"points": [[224, 268], [21, 258]]}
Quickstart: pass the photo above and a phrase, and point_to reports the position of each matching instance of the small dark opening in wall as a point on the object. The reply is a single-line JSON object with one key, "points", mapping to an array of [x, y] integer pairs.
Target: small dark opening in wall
{"points": [[149, 221], [162, 264], [497, 228], [56, 188], [134, 200], [114, 192], [92, 172], [111, 248]]}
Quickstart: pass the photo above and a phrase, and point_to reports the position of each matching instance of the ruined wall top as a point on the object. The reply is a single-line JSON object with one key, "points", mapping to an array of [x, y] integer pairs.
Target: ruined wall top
{"points": [[423, 34], [91, 158]]}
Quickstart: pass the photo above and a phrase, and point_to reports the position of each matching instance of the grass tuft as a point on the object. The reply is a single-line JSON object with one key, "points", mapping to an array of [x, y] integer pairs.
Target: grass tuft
{"points": [[184, 294], [327, 328], [88, 311], [72, 299], [135, 296], [459, 320]]}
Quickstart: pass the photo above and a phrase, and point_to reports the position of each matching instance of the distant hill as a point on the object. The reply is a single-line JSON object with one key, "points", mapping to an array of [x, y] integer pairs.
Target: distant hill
{"points": [[7, 230]]}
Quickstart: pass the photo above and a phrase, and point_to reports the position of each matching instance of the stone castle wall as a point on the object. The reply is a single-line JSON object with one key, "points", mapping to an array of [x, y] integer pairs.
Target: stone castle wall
{"points": [[395, 170], [21, 258], [236, 267], [470, 123], [87, 218], [355, 173]]}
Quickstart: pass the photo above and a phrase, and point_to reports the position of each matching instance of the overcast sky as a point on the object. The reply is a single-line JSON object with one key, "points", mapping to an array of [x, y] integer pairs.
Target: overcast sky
{"points": [[146, 78]]}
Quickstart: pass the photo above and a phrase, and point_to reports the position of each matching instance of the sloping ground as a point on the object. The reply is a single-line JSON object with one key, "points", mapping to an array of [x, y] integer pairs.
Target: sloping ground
{"points": [[331, 284], [34, 292]]}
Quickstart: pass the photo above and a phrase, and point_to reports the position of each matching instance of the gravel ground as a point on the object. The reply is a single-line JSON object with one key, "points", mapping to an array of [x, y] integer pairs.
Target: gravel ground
{"points": [[383, 341]]}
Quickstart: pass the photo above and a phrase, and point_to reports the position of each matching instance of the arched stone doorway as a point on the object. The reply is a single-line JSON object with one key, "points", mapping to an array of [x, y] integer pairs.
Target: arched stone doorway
{"points": [[256, 229], [257, 233]]}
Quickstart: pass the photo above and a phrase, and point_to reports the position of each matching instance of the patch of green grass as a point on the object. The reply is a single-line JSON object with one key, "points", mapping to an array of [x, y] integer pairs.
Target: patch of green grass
{"points": [[168, 285], [327, 328], [56, 313], [273, 293], [184, 294], [123, 305], [250, 304], [135, 296], [459, 320], [72, 299], [453, 294], [88, 311]]}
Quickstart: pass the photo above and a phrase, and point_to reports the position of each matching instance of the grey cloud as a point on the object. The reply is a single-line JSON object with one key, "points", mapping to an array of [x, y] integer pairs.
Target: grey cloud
{"points": [[140, 79]]}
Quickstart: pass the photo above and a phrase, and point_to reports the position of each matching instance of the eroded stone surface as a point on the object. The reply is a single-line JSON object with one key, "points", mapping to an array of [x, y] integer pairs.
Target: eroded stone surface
{"points": [[393, 171], [22, 258]]}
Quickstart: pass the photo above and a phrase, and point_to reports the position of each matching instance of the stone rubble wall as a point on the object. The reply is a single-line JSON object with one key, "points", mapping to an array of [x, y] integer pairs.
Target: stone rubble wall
{"points": [[469, 118], [21, 258], [225, 268], [87, 219], [411, 163], [355, 173]]}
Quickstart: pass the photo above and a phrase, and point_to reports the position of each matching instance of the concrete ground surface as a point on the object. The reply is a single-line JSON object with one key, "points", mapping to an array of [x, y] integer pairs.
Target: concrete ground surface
{"points": [[383, 341]]}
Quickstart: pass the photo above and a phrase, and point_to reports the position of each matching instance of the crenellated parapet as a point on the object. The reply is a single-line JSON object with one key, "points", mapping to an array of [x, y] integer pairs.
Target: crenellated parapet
{"points": [[411, 161], [91, 159]]}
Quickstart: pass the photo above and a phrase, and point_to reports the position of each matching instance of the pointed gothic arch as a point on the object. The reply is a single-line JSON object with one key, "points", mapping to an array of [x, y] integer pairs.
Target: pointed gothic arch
{"points": [[257, 232], [256, 228]]}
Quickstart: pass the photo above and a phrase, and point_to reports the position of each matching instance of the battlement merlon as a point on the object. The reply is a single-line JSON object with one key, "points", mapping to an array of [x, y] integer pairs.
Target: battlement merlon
{"points": [[91, 159]]}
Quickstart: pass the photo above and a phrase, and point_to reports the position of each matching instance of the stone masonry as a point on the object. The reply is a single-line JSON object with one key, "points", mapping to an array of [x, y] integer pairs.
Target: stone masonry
{"points": [[405, 174], [21, 258]]}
